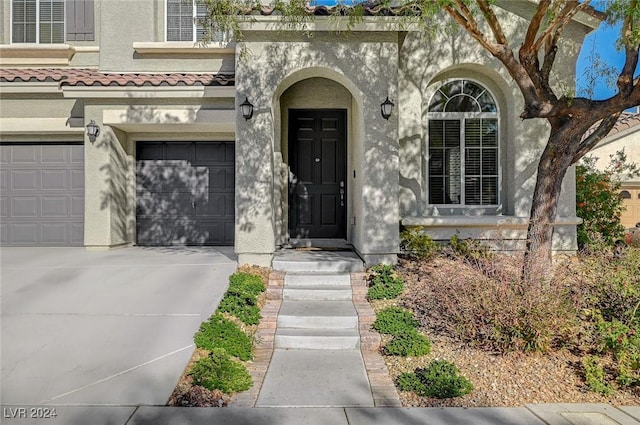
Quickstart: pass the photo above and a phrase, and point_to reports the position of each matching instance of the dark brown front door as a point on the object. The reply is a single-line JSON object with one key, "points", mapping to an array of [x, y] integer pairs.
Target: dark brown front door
{"points": [[318, 169]]}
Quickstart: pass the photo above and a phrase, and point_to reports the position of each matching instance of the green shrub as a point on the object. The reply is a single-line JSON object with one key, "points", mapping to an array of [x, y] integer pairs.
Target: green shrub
{"points": [[241, 307], [411, 343], [384, 283], [595, 376], [416, 244], [394, 321], [409, 381], [469, 249], [439, 379], [246, 284], [218, 371], [219, 332], [598, 201]]}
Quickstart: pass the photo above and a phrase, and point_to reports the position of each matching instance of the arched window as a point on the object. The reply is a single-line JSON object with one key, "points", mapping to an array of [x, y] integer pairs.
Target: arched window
{"points": [[463, 144], [625, 194]]}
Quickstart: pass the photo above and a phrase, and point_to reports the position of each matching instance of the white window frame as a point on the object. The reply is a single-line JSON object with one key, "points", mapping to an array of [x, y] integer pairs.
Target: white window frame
{"points": [[37, 41], [461, 116], [194, 17]]}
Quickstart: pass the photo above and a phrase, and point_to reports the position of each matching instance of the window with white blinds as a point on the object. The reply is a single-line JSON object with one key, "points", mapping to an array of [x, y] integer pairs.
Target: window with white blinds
{"points": [[37, 21], [185, 22], [463, 146]]}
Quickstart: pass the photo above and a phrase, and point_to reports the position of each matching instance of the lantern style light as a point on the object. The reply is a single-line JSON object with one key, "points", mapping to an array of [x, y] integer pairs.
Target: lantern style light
{"points": [[246, 108], [386, 108], [93, 130]]}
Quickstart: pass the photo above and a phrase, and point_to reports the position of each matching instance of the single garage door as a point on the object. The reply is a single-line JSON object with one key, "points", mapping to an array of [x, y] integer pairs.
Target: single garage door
{"points": [[185, 193], [42, 194]]}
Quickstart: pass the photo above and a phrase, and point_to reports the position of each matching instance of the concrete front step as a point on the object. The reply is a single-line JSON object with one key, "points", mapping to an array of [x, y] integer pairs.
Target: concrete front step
{"points": [[318, 315], [317, 339], [317, 279], [317, 261], [319, 293]]}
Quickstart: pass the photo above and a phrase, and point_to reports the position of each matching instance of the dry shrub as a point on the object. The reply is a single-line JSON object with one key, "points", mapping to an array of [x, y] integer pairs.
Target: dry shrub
{"points": [[485, 303]]}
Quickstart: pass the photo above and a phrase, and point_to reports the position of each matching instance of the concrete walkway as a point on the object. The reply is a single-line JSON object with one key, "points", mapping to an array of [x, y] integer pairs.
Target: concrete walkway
{"points": [[103, 327], [542, 414]]}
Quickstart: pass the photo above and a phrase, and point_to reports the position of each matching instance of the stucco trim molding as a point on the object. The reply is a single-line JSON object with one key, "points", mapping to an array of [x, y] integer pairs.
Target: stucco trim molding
{"points": [[128, 92], [182, 48], [38, 125], [36, 54]]}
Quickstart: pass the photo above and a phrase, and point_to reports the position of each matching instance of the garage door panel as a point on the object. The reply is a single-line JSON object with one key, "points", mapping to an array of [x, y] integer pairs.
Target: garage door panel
{"points": [[53, 155], [185, 193], [54, 206], [54, 180], [76, 180], [53, 233], [24, 179], [42, 199], [5, 180], [24, 206], [24, 233], [25, 154]]}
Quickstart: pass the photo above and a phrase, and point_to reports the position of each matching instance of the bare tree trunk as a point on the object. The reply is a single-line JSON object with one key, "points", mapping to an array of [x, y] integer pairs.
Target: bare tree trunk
{"points": [[554, 163]]}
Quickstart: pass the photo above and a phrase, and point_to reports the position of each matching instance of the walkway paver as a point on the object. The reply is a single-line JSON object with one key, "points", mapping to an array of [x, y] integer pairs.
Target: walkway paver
{"points": [[581, 414]]}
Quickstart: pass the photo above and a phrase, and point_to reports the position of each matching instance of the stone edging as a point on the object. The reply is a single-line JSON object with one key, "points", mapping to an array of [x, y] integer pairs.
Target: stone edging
{"points": [[382, 388], [264, 337]]}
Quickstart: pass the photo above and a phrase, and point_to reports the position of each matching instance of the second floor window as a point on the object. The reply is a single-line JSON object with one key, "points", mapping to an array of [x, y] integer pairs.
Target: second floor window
{"points": [[37, 21], [184, 22]]}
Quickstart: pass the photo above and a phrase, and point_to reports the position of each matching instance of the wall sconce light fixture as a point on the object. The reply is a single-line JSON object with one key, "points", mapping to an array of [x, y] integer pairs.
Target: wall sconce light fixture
{"points": [[386, 108], [246, 108], [93, 130]]}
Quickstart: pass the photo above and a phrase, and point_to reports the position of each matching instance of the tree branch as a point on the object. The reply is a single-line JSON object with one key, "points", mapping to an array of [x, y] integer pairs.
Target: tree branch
{"points": [[492, 20], [464, 17], [560, 21], [592, 140], [625, 79], [534, 26]]}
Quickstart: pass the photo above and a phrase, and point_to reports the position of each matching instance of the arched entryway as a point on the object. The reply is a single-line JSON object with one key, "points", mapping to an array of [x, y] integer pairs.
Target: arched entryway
{"points": [[315, 146]]}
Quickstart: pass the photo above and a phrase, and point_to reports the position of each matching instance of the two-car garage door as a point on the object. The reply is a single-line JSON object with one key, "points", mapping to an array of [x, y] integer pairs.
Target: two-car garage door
{"points": [[41, 194]]}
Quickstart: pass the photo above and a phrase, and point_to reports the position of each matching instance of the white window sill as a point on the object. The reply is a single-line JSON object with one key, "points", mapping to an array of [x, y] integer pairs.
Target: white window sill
{"points": [[40, 54], [182, 48], [479, 221]]}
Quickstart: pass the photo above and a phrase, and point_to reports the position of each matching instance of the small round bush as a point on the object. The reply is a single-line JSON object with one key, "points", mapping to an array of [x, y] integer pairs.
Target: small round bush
{"points": [[411, 343], [409, 381], [384, 283], [220, 332], [441, 379], [394, 321], [218, 371]]}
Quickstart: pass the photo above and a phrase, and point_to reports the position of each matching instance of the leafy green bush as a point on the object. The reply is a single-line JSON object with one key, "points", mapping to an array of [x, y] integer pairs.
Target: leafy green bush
{"points": [[220, 332], [440, 379], [598, 200], [242, 307], [218, 371], [414, 243], [384, 284], [394, 321], [595, 376], [411, 343], [246, 284]]}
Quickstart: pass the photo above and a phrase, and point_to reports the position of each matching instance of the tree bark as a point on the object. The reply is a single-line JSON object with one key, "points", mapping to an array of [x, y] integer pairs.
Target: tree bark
{"points": [[556, 159]]}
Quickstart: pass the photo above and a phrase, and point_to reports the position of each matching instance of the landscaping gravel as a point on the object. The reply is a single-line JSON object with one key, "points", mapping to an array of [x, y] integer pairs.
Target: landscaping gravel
{"points": [[512, 379]]}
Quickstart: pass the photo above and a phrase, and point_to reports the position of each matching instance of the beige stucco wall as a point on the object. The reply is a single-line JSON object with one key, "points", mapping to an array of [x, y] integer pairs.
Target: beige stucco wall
{"points": [[276, 61], [427, 63]]}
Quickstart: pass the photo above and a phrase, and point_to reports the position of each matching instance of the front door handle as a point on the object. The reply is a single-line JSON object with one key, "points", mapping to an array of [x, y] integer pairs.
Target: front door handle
{"points": [[193, 204]]}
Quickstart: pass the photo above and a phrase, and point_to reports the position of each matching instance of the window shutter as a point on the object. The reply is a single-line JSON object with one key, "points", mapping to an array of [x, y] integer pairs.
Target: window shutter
{"points": [[80, 20]]}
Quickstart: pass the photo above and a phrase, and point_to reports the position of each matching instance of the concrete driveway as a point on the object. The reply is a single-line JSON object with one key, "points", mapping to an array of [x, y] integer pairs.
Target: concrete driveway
{"points": [[103, 328]]}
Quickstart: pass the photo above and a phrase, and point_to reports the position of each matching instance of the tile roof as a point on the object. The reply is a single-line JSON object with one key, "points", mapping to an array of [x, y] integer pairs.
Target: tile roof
{"points": [[93, 77]]}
